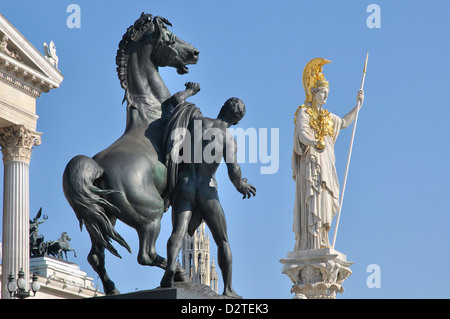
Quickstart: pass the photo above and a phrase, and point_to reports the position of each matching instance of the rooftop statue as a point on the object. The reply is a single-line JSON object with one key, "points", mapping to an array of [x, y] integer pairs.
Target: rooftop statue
{"points": [[4, 48], [37, 244], [57, 247], [40, 247], [50, 53]]}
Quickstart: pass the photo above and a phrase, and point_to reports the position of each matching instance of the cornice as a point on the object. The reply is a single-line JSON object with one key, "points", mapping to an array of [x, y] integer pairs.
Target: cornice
{"points": [[44, 78], [27, 84]]}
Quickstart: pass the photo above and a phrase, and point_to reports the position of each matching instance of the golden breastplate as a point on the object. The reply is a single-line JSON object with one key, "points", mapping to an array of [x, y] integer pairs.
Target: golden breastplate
{"points": [[322, 123]]}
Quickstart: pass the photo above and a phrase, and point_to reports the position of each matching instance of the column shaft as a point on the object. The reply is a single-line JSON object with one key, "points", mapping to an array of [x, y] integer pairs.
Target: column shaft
{"points": [[16, 222], [17, 143]]}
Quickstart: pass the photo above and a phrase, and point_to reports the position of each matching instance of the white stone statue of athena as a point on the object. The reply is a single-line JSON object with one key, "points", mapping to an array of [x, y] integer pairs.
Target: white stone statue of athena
{"points": [[313, 160]]}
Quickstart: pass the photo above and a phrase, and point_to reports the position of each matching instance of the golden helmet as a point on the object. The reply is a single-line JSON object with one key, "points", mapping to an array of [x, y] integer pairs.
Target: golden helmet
{"points": [[313, 77]]}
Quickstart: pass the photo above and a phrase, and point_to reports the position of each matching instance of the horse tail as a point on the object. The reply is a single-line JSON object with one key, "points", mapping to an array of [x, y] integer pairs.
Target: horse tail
{"points": [[88, 204]]}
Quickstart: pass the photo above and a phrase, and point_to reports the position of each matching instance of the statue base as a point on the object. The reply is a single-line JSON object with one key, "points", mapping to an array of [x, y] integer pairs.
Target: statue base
{"points": [[182, 290], [316, 273]]}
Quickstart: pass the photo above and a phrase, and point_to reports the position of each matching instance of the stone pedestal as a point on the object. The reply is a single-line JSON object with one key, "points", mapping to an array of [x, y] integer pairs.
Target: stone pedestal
{"points": [[316, 274], [181, 290]]}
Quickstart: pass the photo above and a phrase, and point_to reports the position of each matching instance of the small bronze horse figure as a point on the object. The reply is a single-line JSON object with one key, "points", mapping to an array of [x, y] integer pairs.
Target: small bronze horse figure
{"points": [[56, 248], [126, 181]]}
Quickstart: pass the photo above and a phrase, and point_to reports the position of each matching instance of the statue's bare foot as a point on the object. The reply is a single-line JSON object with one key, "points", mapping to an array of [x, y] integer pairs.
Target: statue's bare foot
{"points": [[167, 279], [231, 294], [181, 275]]}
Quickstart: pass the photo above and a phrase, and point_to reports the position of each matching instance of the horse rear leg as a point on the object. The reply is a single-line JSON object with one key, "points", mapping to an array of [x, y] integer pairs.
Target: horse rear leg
{"points": [[147, 255], [147, 250], [96, 259], [143, 210]]}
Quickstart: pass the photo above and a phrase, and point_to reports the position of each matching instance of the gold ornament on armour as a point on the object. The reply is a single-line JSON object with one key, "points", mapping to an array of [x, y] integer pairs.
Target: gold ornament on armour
{"points": [[322, 123]]}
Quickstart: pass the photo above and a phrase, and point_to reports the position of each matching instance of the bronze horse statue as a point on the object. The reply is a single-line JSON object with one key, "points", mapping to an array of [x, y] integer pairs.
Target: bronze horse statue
{"points": [[127, 180]]}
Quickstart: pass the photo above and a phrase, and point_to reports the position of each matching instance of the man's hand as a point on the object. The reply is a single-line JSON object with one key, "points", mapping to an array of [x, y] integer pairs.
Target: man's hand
{"points": [[193, 87], [246, 189]]}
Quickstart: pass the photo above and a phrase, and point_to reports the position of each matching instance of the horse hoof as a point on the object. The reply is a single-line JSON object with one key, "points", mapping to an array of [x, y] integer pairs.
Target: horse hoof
{"points": [[114, 292]]}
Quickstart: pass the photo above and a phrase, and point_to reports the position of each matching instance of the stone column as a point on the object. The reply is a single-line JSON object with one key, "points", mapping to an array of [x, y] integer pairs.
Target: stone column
{"points": [[17, 143], [316, 273]]}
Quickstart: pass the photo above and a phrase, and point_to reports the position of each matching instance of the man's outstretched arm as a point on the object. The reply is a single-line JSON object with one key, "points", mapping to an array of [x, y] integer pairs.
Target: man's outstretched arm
{"points": [[191, 89], [234, 169]]}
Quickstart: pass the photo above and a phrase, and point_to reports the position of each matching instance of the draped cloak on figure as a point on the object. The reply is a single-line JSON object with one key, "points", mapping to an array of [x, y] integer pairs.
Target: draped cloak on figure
{"points": [[317, 184], [182, 115]]}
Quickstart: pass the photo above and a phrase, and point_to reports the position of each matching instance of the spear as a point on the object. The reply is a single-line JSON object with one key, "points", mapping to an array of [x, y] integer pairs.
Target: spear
{"points": [[349, 154]]}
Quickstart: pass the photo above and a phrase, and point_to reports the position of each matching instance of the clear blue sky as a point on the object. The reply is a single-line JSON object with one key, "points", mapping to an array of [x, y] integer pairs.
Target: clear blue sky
{"points": [[396, 207]]}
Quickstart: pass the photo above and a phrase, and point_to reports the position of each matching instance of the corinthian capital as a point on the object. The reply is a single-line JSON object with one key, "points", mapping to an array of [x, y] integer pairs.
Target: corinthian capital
{"points": [[17, 143]]}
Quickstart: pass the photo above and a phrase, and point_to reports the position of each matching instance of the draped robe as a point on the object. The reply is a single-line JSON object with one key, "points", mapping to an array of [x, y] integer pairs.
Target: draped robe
{"points": [[182, 116], [317, 184]]}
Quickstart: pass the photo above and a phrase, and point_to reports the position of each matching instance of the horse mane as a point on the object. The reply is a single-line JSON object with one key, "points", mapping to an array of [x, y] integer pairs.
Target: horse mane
{"points": [[145, 23]]}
